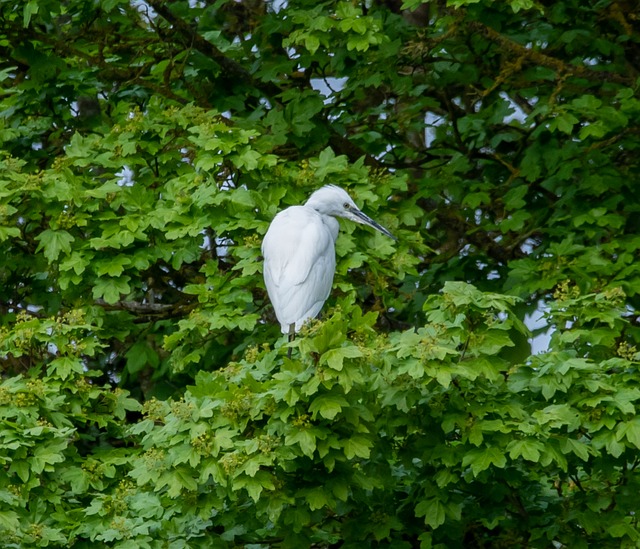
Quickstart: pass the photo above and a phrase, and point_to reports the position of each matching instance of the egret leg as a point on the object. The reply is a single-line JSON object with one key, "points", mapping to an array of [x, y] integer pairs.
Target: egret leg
{"points": [[292, 336]]}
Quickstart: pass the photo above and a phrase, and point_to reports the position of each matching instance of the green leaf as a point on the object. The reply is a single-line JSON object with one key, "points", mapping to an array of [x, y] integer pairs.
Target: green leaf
{"points": [[357, 445], [483, 458], [526, 448], [558, 415], [113, 267], [629, 430], [328, 163], [473, 200], [305, 439], [312, 43], [53, 243], [110, 289], [334, 358], [146, 505], [76, 261], [432, 510], [64, 366], [46, 455], [123, 404], [577, 447], [140, 355], [8, 232], [328, 406], [411, 4], [9, 521], [247, 159], [30, 9], [316, 498]]}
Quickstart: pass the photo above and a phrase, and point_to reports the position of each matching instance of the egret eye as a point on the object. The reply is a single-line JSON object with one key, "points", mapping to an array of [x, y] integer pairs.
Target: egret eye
{"points": [[346, 206]]}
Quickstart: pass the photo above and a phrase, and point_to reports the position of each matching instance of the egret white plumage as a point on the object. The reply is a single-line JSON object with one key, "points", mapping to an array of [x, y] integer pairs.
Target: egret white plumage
{"points": [[299, 254]]}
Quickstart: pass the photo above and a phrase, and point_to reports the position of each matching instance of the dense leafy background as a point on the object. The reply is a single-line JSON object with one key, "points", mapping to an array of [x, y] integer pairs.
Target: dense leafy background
{"points": [[146, 397]]}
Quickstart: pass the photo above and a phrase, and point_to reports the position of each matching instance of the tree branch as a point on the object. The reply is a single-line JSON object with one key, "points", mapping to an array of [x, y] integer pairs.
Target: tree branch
{"points": [[156, 310], [235, 71], [536, 57], [231, 68]]}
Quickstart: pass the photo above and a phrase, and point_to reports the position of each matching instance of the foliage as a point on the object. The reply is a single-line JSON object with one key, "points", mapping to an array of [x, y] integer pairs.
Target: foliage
{"points": [[146, 399]]}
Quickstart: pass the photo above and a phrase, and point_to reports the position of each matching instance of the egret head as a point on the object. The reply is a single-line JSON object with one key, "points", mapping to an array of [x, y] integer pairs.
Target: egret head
{"points": [[334, 201]]}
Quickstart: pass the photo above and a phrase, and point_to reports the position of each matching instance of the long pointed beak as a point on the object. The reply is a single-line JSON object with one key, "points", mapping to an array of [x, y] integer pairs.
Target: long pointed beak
{"points": [[366, 220]]}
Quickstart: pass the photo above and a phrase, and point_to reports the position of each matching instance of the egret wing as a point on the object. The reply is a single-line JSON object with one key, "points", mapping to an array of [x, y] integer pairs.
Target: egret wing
{"points": [[299, 263]]}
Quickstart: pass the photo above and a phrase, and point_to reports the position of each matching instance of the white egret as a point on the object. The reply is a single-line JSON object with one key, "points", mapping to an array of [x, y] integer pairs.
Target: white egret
{"points": [[299, 254]]}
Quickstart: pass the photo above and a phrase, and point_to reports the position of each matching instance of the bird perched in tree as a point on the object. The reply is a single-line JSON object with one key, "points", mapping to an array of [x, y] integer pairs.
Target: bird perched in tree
{"points": [[299, 254]]}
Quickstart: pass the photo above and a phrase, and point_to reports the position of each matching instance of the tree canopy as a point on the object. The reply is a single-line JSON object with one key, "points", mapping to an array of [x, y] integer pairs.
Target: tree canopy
{"points": [[146, 398]]}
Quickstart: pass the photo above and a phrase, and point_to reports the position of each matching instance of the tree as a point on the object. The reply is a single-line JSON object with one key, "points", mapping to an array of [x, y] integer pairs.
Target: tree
{"points": [[146, 396]]}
